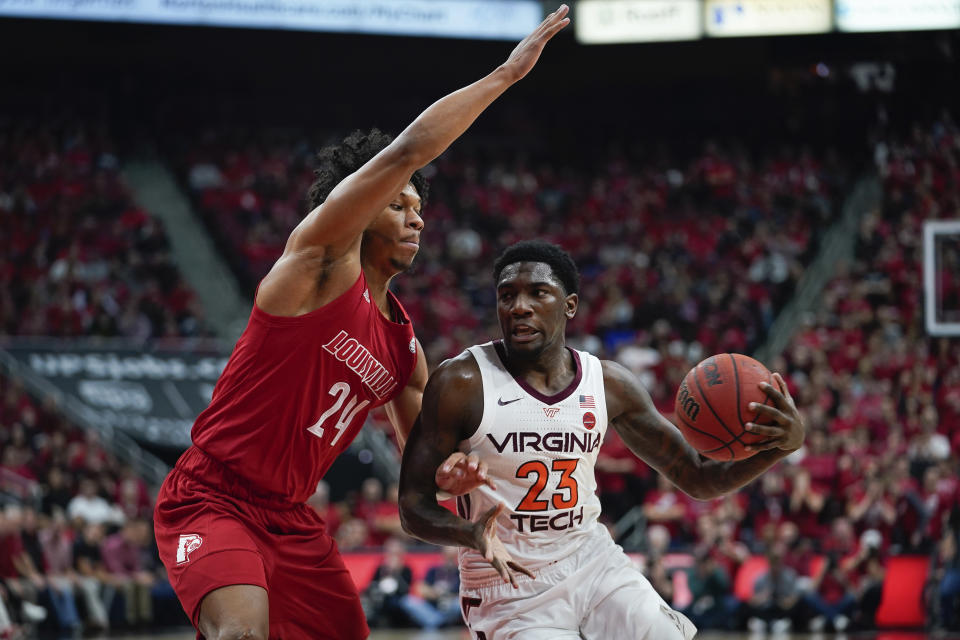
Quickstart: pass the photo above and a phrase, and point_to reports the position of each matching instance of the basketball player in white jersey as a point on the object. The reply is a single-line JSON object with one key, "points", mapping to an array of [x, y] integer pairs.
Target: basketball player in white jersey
{"points": [[535, 563]]}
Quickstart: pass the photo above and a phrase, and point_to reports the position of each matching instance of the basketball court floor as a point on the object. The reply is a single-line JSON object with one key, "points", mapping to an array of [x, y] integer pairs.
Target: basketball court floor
{"points": [[462, 635]]}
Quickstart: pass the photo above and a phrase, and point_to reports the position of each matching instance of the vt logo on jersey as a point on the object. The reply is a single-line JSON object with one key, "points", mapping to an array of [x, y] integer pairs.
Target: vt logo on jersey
{"points": [[551, 412], [189, 542], [356, 356]]}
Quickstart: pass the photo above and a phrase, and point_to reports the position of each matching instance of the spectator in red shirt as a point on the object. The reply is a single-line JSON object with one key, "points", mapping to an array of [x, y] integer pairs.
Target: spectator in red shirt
{"points": [[805, 505], [668, 506], [831, 596], [872, 507], [330, 513], [132, 495], [728, 550], [380, 513], [820, 462], [768, 505], [615, 466]]}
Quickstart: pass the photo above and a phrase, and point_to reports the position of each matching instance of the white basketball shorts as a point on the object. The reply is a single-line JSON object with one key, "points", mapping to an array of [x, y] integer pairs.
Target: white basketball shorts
{"points": [[595, 594]]}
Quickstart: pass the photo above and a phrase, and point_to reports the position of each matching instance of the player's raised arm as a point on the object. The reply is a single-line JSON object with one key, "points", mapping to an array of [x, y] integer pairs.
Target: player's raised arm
{"points": [[335, 225], [656, 441], [452, 409]]}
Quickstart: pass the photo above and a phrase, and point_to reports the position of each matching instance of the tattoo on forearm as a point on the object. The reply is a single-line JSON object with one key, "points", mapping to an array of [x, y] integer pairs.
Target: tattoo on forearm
{"points": [[662, 446]]}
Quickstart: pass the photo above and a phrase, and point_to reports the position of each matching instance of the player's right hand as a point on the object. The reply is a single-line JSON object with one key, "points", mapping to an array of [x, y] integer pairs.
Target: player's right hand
{"points": [[493, 550], [787, 431], [461, 473], [526, 54]]}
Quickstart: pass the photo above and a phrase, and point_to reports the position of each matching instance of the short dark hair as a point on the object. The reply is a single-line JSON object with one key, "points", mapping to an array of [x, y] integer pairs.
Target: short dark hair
{"points": [[539, 251], [336, 162]]}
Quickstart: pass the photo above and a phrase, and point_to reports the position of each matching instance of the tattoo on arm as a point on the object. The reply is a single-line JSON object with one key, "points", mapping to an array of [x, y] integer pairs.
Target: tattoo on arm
{"points": [[656, 441]]}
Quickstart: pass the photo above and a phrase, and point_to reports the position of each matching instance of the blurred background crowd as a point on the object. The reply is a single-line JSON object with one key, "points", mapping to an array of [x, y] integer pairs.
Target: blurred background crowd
{"points": [[689, 244]]}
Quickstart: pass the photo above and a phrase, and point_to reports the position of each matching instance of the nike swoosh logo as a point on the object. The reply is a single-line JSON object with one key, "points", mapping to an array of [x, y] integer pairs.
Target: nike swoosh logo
{"points": [[502, 403]]}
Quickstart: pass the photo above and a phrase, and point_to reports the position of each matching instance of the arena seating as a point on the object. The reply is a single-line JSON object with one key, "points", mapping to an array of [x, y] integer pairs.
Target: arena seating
{"points": [[679, 257], [80, 258]]}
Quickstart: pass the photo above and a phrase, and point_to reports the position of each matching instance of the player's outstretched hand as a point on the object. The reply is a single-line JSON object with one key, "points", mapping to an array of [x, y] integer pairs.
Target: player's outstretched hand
{"points": [[526, 54], [493, 550], [462, 473], [788, 430]]}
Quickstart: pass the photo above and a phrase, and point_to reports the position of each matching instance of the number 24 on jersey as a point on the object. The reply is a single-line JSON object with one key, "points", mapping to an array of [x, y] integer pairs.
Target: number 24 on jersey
{"points": [[344, 410]]}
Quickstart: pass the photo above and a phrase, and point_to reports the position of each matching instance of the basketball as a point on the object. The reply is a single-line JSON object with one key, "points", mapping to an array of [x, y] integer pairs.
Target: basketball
{"points": [[713, 402]]}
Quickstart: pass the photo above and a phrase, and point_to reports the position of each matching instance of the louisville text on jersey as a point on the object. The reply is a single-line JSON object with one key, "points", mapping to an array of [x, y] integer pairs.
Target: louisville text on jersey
{"points": [[562, 441], [358, 358]]}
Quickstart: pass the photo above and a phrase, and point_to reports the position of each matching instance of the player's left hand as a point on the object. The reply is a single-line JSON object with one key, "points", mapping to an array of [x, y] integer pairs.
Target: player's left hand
{"points": [[462, 473], [787, 431], [525, 55]]}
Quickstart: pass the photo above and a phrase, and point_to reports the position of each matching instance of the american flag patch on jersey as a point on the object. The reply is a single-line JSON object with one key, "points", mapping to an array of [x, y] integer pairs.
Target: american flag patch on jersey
{"points": [[586, 402]]}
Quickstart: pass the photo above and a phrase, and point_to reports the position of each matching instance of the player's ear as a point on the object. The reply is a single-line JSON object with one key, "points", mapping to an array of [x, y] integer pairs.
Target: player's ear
{"points": [[572, 302]]}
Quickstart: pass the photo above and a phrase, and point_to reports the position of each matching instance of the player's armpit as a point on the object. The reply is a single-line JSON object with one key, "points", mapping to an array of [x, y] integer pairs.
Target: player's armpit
{"points": [[452, 407]]}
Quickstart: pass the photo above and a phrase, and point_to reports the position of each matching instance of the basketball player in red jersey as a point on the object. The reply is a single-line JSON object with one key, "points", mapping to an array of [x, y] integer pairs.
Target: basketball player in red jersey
{"points": [[325, 343]]}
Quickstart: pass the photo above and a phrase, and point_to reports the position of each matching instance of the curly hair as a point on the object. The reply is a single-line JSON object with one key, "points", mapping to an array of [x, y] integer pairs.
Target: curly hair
{"points": [[336, 162], [539, 251]]}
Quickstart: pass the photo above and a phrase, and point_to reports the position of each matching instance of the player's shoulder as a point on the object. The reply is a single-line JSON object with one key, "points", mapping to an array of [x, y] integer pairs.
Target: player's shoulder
{"points": [[622, 387], [455, 392], [458, 374], [615, 373]]}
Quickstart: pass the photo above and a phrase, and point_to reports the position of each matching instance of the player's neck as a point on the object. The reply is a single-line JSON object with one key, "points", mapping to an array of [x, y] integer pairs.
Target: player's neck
{"points": [[550, 372], [378, 283]]}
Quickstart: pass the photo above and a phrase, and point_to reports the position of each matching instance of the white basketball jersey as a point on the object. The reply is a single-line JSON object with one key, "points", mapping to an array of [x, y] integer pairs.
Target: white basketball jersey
{"points": [[541, 453]]}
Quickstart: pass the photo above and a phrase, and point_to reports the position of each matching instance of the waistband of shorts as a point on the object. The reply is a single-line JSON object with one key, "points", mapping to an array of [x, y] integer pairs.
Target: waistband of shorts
{"points": [[203, 468], [549, 572]]}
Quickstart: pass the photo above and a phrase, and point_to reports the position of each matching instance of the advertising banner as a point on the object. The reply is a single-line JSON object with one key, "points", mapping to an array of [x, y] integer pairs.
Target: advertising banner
{"points": [[726, 18], [481, 19], [611, 21], [151, 396], [897, 15]]}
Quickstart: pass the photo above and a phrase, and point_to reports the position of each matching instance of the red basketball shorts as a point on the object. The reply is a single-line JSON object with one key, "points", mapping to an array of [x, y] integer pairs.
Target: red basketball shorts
{"points": [[214, 530]]}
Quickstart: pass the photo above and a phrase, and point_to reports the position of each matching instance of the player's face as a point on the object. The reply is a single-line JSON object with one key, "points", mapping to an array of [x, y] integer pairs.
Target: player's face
{"points": [[533, 308], [394, 236]]}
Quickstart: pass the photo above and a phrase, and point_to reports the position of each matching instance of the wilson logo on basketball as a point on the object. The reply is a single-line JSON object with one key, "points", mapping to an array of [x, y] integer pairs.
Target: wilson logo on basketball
{"points": [[711, 371], [551, 412], [686, 402], [589, 420]]}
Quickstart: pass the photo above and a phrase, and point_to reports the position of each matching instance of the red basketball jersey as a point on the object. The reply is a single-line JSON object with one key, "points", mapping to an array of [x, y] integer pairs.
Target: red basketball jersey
{"points": [[296, 391]]}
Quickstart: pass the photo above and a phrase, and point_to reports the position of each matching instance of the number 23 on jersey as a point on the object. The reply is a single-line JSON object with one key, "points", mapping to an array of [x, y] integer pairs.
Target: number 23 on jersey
{"points": [[565, 497]]}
